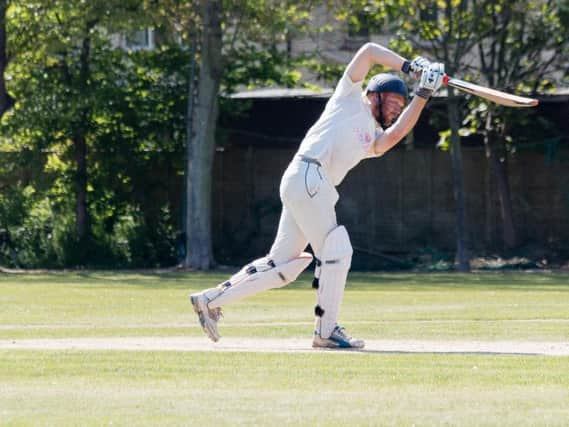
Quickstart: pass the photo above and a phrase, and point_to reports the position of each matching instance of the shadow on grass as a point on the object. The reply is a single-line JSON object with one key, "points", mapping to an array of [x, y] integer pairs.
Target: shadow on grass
{"points": [[109, 279], [434, 353], [542, 281], [480, 280]]}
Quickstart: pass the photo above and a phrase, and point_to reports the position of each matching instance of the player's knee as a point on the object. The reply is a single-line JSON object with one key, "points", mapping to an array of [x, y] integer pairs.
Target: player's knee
{"points": [[337, 250], [289, 271], [336, 255], [273, 274]]}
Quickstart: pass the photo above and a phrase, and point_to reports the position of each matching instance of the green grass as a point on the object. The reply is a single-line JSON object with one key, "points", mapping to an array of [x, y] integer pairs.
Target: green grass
{"points": [[198, 388], [161, 388], [437, 306]]}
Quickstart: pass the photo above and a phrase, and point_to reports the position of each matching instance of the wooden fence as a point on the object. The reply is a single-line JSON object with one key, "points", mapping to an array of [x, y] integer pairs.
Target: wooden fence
{"points": [[398, 204]]}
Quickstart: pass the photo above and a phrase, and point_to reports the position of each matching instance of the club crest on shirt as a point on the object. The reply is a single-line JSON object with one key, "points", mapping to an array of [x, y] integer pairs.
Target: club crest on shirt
{"points": [[364, 138]]}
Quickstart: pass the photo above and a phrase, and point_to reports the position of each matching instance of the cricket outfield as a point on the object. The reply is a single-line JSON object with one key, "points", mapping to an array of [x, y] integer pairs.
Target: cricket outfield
{"points": [[97, 348]]}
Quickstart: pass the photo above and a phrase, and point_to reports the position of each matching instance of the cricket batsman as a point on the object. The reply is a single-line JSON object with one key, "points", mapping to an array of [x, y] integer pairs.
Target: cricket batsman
{"points": [[354, 126]]}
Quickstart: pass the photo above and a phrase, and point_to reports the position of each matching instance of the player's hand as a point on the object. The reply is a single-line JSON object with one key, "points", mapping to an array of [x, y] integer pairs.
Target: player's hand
{"points": [[417, 66], [431, 80], [432, 76]]}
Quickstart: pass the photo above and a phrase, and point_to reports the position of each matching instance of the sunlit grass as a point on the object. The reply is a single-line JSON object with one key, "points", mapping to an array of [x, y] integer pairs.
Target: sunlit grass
{"points": [[198, 388], [163, 388], [437, 306]]}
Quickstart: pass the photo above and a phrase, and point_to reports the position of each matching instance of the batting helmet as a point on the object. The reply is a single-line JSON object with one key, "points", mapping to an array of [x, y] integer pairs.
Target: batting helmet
{"points": [[387, 83]]}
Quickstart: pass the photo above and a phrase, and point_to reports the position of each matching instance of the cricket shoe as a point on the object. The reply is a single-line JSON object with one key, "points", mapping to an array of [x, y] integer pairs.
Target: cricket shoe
{"points": [[208, 317], [338, 339]]}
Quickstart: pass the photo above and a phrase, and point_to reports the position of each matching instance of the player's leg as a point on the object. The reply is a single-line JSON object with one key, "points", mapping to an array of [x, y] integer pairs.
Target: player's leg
{"points": [[334, 261], [282, 266], [314, 212]]}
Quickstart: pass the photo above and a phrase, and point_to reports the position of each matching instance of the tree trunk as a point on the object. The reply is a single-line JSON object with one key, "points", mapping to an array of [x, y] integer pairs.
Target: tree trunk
{"points": [[462, 255], [6, 101], [498, 164], [489, 214], [81, 212], [201, 150], [509, 230], [82, 225]]}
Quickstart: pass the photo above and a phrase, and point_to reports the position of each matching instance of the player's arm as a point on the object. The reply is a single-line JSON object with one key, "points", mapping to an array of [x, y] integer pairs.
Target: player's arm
{"points": [[431, 80], [402, 126], [371, 54]]}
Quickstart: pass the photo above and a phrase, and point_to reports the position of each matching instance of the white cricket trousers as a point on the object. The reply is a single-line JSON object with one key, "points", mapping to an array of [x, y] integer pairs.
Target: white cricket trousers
{"points": [[308, 214]]}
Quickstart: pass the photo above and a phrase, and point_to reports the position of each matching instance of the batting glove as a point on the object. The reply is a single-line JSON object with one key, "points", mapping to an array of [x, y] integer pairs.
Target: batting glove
{"points": [[415, 67], [431, 79]]}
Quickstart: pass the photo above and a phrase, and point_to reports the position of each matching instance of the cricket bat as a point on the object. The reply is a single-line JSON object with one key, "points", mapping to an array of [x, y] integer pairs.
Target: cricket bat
{"points": [[493, 95]]}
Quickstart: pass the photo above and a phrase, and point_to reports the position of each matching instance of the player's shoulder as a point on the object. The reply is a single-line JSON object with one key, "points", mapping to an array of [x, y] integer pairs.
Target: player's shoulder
{"points": [[346, 86]]}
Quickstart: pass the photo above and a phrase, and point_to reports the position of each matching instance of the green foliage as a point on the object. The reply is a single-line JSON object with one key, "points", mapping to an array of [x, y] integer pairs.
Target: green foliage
{"points": [[256, 40], [255, 68], [521, 44], [130, 108], [326, 72], [36, 232], [72, 83]]}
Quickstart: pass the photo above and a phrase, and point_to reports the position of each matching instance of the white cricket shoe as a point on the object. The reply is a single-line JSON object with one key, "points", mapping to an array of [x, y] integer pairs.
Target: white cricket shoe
{"points": [[338, 339], [208, 317]]}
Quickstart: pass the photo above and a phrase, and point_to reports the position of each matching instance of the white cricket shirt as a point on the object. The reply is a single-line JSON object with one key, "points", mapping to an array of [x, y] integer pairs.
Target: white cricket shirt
{"points": [[344, 134]]}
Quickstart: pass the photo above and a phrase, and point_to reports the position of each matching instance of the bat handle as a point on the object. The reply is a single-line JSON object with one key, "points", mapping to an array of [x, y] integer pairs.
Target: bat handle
{"points": [[446, 78]]}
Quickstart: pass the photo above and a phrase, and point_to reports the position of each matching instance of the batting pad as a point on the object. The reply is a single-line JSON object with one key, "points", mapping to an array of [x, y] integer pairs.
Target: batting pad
{"points": [[260, 275], [336, 259]]}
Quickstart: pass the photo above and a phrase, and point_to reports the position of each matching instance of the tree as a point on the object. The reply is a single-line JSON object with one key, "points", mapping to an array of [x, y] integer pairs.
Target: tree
{"points": [[444, 31], [6, 100], [506, 44], [66, 38], [526, 52], [516, 46], [451, 42], [201, 140], [241, 44], [96, 118], [93, 113]]}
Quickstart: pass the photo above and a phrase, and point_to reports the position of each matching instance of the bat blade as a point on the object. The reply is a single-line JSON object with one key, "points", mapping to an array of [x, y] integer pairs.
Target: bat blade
{"points": [[493, 95]]}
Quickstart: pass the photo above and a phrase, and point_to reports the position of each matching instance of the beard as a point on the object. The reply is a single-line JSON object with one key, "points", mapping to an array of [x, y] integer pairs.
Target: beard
{"points": [[387, 123], [380, 118]]}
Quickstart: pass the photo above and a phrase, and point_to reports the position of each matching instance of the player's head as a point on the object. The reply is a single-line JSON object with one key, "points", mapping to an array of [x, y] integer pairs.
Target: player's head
{"points": [[387, 95]]}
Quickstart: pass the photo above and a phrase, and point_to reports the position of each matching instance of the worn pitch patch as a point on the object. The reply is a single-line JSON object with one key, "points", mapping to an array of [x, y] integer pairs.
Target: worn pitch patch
{"points": [[286, 345]]}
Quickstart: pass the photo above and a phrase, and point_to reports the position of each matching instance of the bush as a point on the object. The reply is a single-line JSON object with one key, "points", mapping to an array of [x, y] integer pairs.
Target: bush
{"points": [[36, 234]]}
